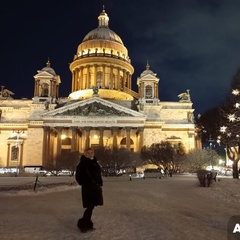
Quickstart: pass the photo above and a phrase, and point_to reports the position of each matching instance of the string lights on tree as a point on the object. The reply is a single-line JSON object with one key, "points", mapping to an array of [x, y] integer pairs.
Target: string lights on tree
{"points": [[230, 125]]}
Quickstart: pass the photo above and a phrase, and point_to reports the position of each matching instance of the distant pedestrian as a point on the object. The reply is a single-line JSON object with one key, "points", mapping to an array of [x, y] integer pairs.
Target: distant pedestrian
{"points": [[166, 172], [88, 176]]}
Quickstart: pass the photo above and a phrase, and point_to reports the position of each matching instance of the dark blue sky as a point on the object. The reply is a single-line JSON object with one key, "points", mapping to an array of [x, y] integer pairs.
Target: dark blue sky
{"points": [[190, 44]]}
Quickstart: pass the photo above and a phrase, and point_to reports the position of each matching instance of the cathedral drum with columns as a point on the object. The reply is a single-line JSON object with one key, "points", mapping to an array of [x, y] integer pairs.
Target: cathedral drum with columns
{"points": [[101, 111]]}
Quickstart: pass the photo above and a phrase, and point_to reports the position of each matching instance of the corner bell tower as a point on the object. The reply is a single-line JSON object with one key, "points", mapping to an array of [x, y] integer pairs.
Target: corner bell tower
{"points": [[148, 87], [46, 85]]}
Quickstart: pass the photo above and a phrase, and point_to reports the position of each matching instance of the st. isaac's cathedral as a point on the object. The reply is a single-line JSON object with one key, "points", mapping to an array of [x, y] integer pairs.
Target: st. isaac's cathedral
{"points": [[102, 109]]}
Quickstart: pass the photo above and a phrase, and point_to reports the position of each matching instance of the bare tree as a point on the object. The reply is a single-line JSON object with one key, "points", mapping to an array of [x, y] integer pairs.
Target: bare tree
{"points": [[199, 159], [67, 161], [104, 156], [117, 158], [230, 124], [161, 154]]}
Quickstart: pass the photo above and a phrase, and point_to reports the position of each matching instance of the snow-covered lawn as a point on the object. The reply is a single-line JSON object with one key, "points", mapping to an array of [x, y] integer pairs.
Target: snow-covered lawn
{"points": [[151, 209]]}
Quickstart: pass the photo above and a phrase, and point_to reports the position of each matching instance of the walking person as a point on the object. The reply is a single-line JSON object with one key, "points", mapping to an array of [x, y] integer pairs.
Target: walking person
{"points": [[88, 176]]}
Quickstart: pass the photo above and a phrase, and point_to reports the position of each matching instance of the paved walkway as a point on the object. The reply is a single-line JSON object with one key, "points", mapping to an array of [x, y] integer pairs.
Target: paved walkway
{"points": [[18, 183], [142, 209]]}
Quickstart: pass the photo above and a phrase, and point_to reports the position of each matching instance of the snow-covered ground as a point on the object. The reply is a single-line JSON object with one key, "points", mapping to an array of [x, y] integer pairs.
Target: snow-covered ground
{"points": [[151, 209]]}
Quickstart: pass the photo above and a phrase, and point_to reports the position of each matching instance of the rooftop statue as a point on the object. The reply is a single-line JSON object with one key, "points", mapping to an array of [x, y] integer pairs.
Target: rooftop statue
{"points": [[95, 91], [185, 96], [46, 104], [5, 93], [140, 104]]}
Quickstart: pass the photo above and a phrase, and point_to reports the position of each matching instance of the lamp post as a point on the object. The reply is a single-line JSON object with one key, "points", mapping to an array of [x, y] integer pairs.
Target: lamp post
{"points": [[211, 142]]}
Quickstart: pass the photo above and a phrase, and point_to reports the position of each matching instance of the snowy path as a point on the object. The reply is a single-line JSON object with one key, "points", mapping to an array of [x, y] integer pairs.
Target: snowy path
{"points": [[151, 209]]}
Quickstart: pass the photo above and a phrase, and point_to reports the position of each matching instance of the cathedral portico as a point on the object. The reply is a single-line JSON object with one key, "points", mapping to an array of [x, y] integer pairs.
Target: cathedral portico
{"points": [[93, 122], [80, 138]]}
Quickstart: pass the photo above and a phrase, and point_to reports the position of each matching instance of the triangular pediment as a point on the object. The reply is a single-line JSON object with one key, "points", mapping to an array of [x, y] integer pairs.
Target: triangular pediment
{"points": [[93, 107], [149, 77], [43, 74]]}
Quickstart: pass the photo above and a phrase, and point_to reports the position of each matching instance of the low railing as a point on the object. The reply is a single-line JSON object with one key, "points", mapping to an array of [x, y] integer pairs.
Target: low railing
{"points": [[102, 55]]}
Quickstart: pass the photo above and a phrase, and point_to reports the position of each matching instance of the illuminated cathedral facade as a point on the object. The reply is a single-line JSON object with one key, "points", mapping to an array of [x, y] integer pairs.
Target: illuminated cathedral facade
{"points": [[101, 111]]}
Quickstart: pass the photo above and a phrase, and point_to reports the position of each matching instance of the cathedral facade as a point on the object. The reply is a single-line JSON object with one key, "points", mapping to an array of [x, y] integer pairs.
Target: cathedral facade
{"points": [[101, 111]]}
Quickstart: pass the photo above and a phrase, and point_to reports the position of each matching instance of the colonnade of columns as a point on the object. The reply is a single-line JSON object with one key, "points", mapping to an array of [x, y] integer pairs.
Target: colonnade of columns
{"points": [[52, 88], [142, 89], [110, 76], [81, 139]]}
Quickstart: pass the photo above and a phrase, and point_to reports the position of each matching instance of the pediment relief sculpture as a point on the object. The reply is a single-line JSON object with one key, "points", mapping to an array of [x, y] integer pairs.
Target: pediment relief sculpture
{"points": [[94, 109]]}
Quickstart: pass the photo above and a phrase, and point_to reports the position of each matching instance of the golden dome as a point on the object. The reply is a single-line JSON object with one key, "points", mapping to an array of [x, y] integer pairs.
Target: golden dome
{"points": [[103, 31], [102, 40], [102, 61]]}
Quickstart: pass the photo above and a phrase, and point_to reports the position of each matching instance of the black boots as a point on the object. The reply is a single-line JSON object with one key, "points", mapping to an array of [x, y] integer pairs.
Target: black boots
{"points": [[85, 225]]}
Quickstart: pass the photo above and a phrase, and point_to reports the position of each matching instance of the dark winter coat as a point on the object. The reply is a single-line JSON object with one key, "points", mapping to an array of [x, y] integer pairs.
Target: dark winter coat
{"points": [[88, 175]]}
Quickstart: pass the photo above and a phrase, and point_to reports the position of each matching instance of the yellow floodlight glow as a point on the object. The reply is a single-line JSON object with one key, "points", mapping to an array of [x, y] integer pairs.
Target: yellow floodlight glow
{"points": [[63, 136], [95, 136]]}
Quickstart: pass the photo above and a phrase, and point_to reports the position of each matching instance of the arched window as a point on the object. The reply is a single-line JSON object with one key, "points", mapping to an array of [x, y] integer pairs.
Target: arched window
{"points": [[99, 79], [148, 92], [66, 145], [66, 141], [121, 83], [44, 90], [124, 141], [114, 81], [14, 153], [89, 80]]}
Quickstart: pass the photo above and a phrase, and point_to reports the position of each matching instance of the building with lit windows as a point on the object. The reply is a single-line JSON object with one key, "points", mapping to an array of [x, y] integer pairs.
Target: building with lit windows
{"points": [[102, 109]]}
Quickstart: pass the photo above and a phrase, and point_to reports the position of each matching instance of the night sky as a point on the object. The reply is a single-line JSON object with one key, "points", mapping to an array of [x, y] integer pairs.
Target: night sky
{"points": [[190, 44]]}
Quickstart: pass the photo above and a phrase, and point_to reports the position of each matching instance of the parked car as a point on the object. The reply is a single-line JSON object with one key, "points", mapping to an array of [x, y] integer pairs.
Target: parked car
{"points": [[42, 173], [152, 173], [111, 172], [136, 175], [64, 173], [228, 172]]}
